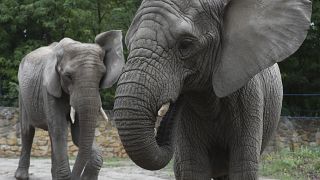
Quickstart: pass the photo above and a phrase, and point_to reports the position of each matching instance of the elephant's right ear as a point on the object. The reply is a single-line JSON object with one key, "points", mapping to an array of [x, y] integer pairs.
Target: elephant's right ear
{"points": [[51, 79], [256, 35], [111, 42]]}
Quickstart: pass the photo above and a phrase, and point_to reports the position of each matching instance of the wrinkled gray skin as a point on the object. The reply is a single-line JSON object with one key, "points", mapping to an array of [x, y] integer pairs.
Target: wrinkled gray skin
{"points": [[215, 61], [56, 77]]}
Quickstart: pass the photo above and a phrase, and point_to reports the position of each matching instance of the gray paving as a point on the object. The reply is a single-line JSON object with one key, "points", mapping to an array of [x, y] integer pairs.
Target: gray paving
{"points": [[114, 170], [122, 170]]}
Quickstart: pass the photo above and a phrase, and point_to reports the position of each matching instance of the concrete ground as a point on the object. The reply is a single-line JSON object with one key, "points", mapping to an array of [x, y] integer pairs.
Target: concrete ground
{"points": [[112, 170], [40, 169]]}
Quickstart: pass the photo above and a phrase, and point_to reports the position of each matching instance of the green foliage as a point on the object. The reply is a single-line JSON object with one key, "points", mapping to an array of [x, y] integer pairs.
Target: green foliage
{"points": [[301, 164], [26, 25]]}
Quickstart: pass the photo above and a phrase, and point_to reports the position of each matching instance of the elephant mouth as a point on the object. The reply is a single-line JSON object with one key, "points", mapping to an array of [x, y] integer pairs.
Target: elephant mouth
{"points": [[162, 116], [166, 115]]}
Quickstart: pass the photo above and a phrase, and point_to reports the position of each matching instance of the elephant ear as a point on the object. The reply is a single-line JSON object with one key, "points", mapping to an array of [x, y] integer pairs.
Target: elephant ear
{"points": [[258, 34], [51, 79], [111, 42]]}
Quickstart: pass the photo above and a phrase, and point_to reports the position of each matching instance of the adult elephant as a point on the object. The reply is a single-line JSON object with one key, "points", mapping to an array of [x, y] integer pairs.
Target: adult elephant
{"points": [[215, 62], [61, 79]]}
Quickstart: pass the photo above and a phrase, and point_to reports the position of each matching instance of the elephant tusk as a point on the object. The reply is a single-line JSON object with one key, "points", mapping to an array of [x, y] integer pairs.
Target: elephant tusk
{"points": [[104, 115], [155, 132], [72, 115], [164, 109]]}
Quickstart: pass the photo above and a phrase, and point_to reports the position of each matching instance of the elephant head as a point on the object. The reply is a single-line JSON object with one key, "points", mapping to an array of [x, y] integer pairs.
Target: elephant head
{"points": [[214, 46], [78, 70]]}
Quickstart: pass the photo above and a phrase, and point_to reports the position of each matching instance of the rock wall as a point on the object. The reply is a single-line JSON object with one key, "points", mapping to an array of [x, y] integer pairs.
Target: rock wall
{"points": [[292, 133], [106, 137]]}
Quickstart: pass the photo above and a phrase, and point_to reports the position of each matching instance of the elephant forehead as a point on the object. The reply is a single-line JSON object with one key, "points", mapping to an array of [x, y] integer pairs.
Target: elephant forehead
{"points": [[187, 5], [157, 17], [175, 7], [82, 49]]}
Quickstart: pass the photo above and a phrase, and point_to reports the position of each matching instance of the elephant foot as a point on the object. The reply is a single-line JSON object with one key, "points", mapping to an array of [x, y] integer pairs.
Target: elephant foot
{"points": [[22, 173], [89, 177], [62, 177], [92, 169], [90, 174]]}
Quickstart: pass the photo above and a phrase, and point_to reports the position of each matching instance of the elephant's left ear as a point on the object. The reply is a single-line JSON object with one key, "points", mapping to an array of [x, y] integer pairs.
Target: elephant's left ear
{"points": [[111, 42], [258, 34]]}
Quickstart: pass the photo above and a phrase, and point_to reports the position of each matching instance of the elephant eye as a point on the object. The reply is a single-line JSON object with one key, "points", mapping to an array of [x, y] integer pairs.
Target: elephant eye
{"points": [[68, 76], [186, 48]]}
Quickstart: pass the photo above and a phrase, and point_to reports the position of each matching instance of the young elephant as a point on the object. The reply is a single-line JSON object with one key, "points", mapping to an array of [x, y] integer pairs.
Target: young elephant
{"points": [[61, 79]]}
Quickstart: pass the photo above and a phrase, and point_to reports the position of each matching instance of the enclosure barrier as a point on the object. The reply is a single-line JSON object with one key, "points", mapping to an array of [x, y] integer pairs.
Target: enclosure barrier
{"points": [[292, 133]]}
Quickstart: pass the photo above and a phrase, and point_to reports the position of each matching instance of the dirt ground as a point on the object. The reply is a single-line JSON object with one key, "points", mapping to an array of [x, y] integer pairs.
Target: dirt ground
{"points": [[112, 170]]}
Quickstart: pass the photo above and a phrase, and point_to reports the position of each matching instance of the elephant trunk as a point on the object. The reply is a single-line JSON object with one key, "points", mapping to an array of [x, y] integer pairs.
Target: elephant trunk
{"points": [[87, 106], [135, 115]]}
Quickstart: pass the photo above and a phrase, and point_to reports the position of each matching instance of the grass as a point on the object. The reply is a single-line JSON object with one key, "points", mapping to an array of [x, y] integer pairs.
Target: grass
{"points": [[303, 164]]}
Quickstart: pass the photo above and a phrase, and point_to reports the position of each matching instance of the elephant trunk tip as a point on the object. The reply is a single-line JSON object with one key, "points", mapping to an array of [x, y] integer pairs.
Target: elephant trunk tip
{"points": [[157, 161]]}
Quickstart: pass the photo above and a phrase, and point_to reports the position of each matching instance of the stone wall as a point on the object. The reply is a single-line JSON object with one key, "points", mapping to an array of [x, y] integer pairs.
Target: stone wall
{"points": [[10, 142], [292, 133]]}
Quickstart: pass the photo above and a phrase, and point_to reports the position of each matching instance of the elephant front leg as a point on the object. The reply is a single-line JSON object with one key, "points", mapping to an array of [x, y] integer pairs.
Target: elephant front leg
{"points": [[58, 131], [192, 167], [192, 161], [92, 168], [244, 163], [22, 172], [60, 163], [246, 131], [245, 148]]}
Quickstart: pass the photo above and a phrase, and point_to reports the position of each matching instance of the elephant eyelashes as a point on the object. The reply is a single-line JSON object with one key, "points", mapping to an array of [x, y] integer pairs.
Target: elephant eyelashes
{"points": [[186, 48]]}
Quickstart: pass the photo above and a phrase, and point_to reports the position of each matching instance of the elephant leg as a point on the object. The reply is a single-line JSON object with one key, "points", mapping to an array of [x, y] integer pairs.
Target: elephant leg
{"points": [[191, 164], [192, 161], [27, 134], [244, 164], [22, 171], [92, 168], [247, 130], [60, 162], [244, 159], [188, 167], [245, 150], [58, 131]]}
